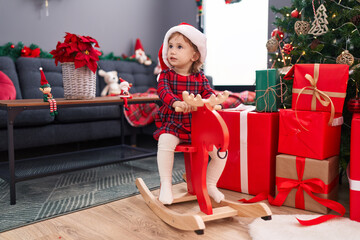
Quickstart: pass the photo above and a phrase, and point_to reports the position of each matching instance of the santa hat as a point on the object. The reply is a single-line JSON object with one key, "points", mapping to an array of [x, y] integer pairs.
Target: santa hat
{"points": [[138, 45], [43, 82], [194, 35]]}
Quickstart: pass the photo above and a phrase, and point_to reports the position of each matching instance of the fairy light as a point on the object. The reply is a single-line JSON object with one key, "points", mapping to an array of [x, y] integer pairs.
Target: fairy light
{"points": [[334, 15], [287, 15]]}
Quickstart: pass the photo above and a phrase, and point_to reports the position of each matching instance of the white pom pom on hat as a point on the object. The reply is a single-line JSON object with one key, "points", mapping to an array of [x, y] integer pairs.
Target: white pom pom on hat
{"points": [[193, 34]]}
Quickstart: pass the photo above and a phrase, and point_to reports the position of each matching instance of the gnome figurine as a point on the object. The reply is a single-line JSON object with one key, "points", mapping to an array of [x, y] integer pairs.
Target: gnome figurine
{"points": [[46, 90], [125, 94], [140, 54]]}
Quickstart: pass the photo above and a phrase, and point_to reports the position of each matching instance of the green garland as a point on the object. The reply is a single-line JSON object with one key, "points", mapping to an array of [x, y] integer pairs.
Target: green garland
{"points": [[15, 51]]}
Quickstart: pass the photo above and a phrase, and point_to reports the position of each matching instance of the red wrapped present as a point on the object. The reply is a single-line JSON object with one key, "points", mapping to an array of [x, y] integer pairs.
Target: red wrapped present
{"points": [[253, 138], [307, 134], [319, 87], [354, 175]]}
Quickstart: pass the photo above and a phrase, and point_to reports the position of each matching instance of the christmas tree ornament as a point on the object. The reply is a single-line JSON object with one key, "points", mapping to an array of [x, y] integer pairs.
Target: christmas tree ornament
{"points": [[12, 46], [319, 25], [314, 43], [288, 48], [295, 14], [356, 20], [272, 44], [345, 58], [278, 34], [354, 105], [302, 27]]}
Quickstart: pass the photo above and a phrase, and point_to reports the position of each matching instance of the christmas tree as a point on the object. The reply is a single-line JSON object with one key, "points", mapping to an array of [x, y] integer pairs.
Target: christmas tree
{"points": [[319, 31]]}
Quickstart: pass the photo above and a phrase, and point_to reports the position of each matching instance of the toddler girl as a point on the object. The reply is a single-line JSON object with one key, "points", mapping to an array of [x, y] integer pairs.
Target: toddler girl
{"points": [[181, 56]]}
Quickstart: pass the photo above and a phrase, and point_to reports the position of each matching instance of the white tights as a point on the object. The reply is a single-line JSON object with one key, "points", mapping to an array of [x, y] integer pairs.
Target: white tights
{"points": [[165, 159]]}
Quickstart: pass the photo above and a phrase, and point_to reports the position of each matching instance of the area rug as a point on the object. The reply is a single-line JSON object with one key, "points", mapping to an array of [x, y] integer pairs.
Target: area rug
{"points": [[286, 227], [52, 196]]}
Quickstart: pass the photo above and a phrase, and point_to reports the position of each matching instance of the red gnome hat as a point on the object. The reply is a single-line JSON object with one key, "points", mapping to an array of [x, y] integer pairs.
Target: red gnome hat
{"points": [[138, 45], [43, 82]]}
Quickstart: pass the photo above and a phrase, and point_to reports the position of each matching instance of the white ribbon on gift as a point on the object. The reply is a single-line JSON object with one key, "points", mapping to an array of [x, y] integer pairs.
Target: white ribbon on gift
{"points": [[353, 184], [244, 182]]}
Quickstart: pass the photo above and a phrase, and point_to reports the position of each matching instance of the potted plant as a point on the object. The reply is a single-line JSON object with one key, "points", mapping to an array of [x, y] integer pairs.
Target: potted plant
{"points": [[78, 58]]}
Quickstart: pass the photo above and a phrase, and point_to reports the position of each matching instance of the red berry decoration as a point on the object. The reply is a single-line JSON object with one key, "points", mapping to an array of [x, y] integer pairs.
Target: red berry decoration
{"points": [[12, 46], [287, 48], [278, 34], [295, 14]]}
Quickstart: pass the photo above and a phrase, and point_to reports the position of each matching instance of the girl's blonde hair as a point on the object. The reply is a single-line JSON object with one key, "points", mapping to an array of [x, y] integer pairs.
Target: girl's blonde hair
{"points": [[196, 66]]}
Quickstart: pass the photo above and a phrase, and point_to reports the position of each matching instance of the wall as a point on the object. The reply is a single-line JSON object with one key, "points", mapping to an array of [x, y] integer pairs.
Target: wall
{"points": [[277, 4], [115, 24]]}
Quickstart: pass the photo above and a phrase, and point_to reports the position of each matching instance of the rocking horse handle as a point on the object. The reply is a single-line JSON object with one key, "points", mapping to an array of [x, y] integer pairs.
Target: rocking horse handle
{"points": [[179, 109], [197, 101]]}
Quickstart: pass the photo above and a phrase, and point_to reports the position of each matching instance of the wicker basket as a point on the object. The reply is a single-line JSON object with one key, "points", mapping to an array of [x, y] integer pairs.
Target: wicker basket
{"points": [[78, 83]]}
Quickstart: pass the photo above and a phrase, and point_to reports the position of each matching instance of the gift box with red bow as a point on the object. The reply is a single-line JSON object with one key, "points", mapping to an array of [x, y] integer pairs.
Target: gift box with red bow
{"points": [[252, 150], [319, 87], [307, 183], [308, 134]]}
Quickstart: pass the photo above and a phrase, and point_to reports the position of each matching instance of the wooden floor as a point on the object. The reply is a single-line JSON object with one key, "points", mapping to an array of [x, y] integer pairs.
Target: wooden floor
{"points": [[131, 219]]}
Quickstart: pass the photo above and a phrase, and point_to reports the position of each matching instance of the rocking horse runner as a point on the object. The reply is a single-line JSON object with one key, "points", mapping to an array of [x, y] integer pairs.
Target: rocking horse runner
{"points": [[208, 130]]}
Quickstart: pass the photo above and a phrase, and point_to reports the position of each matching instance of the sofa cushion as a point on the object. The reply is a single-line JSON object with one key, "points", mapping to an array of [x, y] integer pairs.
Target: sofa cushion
{"points": [[29, 77], [142, 77], [7, 88], [7, 66]]}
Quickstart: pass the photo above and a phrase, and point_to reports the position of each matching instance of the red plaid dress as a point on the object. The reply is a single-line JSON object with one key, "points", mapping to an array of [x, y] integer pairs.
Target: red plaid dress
{"points": [[170, 88]]}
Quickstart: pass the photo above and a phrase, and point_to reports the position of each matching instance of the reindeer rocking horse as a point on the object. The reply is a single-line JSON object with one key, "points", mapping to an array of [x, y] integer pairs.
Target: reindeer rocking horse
{"points": [[208, 130]]}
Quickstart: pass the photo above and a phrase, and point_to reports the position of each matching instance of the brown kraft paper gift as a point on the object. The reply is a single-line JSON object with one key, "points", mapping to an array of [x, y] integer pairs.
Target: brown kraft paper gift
{"points": [[326, 170]]}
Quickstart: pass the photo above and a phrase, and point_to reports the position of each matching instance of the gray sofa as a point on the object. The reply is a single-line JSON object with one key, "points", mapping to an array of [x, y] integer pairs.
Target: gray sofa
{"points": [[37, 128]]}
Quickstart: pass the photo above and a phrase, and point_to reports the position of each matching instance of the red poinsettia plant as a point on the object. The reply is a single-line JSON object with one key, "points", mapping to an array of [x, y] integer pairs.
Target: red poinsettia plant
{"points": [[77, 49]]}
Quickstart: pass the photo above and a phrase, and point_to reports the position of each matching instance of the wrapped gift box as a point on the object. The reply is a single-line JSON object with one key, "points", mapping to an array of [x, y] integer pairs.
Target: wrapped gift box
{"points": [[250, 166], [267, 90], [354, 173], [331, 79], [308, 134], [327, 171]]}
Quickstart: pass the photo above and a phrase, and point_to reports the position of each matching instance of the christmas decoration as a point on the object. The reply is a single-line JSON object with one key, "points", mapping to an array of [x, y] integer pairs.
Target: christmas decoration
{"points": [[45, 88], [140, 54], [295, 14], [28, 52], [279, 35], [319, 25], [111, 79], [272, 44], [287, 48], [354, 105], [314, 44], [12, 46], [125, 92], [77, 49], [302, 27], [345, 58], [343, 28], [356, 20]]}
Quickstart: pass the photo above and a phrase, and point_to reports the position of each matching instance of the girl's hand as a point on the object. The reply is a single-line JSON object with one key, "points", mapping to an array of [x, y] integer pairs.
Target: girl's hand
{"points": [[183, 107]]}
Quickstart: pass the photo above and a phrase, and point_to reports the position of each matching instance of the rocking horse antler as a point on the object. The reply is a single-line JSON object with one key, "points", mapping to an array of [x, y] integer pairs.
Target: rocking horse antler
{"points": [[198, 101]]}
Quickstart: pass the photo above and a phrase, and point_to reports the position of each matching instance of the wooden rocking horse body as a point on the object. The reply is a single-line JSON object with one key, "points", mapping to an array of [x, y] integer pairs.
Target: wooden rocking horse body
{"points": [[208, 130]]}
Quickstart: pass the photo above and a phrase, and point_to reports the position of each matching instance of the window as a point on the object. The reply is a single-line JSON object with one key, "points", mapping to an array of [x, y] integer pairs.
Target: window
{"points": [[236, 36]]}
